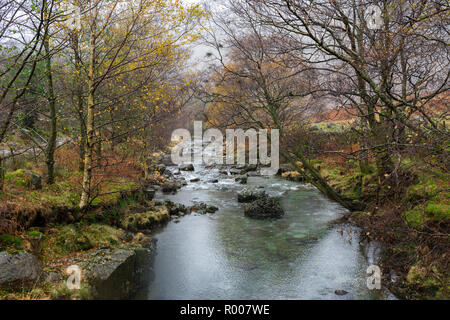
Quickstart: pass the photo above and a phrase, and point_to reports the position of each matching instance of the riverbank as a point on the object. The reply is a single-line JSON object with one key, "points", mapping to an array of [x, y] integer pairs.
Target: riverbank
{"points": [[411, 223], [110, 242]]}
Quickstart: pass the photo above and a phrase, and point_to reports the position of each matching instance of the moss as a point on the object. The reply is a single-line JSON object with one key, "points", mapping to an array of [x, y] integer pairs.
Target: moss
{"points": [[60, 291], [100, 235], [96, 202], [416, 275], [438, 211], [426, 188], [64, 240], [34, 234], [8, 242], [18, 177], [415, 218], [428, 283]]}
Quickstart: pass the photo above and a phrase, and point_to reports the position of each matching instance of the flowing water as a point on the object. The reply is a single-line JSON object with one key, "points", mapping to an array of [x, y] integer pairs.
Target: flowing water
{"points": [[226, 255]]}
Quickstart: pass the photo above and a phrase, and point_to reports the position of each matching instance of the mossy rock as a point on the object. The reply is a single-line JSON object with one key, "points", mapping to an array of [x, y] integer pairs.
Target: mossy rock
{"points": [[144, 220]]}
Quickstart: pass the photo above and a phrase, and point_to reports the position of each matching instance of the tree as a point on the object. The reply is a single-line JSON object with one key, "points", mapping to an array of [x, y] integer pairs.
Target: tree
{"points": [[20, 46], [388, 74], [124, 39], [257, 85]]}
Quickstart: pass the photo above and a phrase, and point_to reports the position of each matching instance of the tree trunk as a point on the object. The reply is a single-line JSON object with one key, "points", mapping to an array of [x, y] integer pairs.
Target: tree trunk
{"points": [[51, 145], [80, 106], [320, 183], [90, 133], [2, 176]]}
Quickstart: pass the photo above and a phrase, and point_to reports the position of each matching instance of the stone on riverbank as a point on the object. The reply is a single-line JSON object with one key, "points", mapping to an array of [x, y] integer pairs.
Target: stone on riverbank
{"points": [[149, 193], [264, 208], [18, 269], [169, 187], [172, 186], [119, 273]]}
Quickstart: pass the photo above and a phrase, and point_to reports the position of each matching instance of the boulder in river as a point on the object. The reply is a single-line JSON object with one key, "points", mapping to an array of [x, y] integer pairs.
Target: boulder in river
{"points": [[203, 208], [235, 171], [195, 180], [176, 209], [187, 167], [264, 208], [241, 179], [340, 292], [250, 195], [18, 269]]}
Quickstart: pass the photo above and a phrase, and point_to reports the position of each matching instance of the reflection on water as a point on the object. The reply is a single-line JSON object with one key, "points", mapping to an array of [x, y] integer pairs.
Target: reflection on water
{"points": [[229, 256]]}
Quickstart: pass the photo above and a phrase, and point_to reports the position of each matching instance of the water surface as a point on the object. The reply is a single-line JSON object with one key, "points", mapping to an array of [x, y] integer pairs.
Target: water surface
{"points": [[229, 256]]}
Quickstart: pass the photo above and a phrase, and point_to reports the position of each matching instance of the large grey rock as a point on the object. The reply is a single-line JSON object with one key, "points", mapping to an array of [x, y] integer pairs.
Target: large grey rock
{"points": [[264, 208], [250, 195], [120, 273], [171, 186], [18, 269]]}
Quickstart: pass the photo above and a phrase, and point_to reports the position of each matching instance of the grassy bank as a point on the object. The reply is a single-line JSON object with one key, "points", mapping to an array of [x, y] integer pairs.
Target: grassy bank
{"points": [[411, 220], [118, 215]]}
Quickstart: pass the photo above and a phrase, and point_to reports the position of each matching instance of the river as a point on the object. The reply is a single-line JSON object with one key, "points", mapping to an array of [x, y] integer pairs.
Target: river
{"points": [[226, 255]]}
